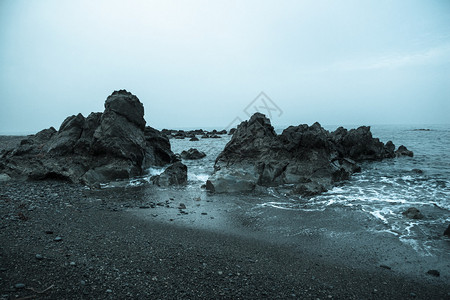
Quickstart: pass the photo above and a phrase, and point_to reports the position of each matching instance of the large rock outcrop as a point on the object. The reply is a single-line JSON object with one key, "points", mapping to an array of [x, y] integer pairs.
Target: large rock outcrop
{"points": [[106, 146], [309, 159]]}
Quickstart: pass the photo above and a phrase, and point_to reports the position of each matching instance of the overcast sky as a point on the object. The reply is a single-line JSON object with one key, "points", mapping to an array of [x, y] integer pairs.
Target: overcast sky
{"points": [[202, 63]]}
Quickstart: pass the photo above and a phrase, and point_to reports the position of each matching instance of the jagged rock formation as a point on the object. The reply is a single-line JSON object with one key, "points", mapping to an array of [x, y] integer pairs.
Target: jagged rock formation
{"points": [[309, 158], [192, 153], [106, 146]]}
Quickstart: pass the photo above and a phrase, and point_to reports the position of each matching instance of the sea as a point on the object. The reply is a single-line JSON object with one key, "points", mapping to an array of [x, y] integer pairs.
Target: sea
{"points": [[382, 190]]}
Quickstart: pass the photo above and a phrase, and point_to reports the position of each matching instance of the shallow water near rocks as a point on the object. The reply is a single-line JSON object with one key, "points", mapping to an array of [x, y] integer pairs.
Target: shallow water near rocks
{"points": [[377, 196]]}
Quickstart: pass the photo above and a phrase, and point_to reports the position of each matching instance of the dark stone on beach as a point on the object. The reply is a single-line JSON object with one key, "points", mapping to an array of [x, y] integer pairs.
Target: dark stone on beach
{"points": [[19, 285], [232, 130], [215, 136], [175, 174], [182, 206], [308, 157], [447, 231], [385, 267], [192, 154], [194, 139], [413, 213], [434, 273], [103, 147], [403, 151], [4, 177]]}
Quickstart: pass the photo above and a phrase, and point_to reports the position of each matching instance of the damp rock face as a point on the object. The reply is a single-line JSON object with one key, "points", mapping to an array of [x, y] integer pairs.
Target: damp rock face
{"points": [[115, 144], [175, 174], [309, 159]]}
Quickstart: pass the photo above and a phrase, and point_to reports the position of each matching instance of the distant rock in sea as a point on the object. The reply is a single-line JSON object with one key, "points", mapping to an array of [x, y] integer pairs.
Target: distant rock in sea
{"points": [[192, 154], [307, 159], [115, 144], [403, 151]]}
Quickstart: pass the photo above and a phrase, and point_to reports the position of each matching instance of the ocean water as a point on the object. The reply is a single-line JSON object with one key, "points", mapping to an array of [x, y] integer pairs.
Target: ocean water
{"points": [[383, 190]]}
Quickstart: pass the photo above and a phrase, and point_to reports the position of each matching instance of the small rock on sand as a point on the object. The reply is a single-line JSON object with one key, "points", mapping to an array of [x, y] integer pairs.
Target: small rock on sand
{"points": [[434, 273]]}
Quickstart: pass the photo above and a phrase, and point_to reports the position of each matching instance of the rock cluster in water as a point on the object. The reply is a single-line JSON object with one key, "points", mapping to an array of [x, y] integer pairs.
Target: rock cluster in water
{"points": [[115, 144], [308, 159], [192, 153]]}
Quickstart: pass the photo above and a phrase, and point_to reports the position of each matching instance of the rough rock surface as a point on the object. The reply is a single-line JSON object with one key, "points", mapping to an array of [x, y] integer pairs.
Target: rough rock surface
{"points": [[403, 151], [104, 146], [192, 154], [310, 159], [413, 213], [175, 174]]}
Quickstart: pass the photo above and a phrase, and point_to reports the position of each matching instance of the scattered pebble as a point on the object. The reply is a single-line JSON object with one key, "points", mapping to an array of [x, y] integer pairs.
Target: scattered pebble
{"points": [[182, 206], [385, 267], [19, 285], [58, 239], [434, 273], [48, 232], [203, 213], [72, 263], [39, 257], [109, 291], [82, 282], [219, 272]]}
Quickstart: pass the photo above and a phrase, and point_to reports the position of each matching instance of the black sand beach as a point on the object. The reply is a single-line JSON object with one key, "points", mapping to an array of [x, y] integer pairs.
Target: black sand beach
{"points": [[108, 250]]}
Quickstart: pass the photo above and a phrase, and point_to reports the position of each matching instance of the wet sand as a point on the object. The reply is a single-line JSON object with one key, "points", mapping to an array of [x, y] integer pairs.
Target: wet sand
{"points": [[63, 241]]}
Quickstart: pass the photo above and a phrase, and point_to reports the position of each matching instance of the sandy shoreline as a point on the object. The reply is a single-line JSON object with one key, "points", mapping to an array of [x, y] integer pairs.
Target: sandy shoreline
{"points": [[112, 248]]}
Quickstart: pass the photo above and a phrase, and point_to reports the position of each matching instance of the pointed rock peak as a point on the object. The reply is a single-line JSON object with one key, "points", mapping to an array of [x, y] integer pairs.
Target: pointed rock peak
{"points": [[260, 118]]}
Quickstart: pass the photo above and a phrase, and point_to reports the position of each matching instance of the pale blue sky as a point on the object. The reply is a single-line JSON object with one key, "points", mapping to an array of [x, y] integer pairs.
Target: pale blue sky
{"points": [[200, 63]]}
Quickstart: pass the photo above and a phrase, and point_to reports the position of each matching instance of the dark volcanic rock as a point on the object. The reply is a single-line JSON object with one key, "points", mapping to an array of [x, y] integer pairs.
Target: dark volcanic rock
{"points": [[413, 213], [194, 139], [104, 146], [232, 130], [309, 158], [192, 154], [447, 231], [403, 151], [175, 174], [434, 273]]}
